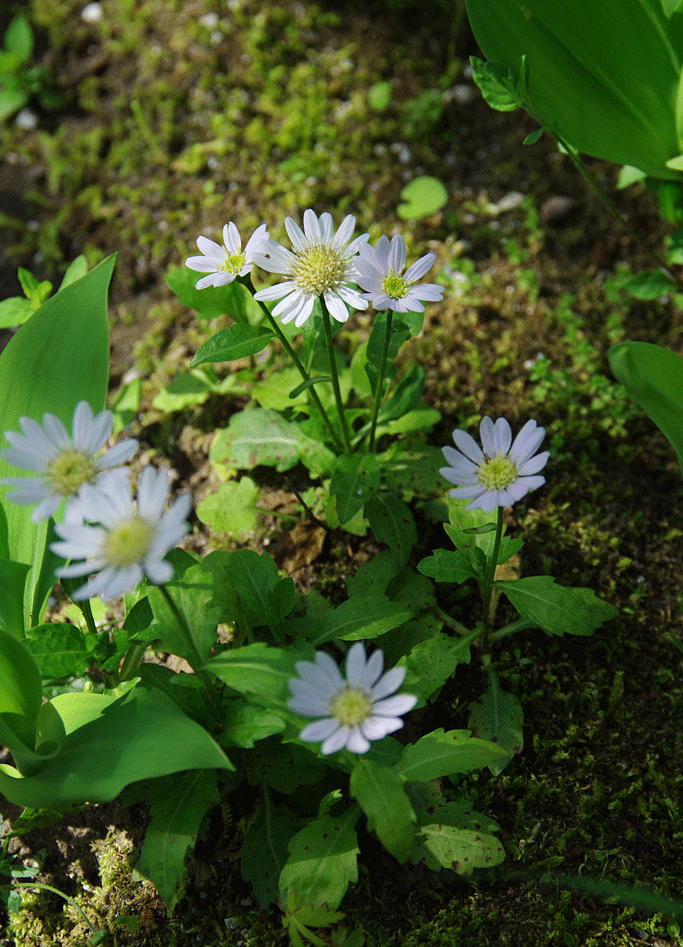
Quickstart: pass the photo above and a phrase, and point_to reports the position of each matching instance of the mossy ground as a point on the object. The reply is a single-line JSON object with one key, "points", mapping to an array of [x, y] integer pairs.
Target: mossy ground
{"points": [[174, 125]]}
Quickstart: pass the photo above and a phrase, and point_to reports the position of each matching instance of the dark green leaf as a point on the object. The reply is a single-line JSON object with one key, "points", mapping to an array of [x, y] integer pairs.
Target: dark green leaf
{"points": [[556, 609]]}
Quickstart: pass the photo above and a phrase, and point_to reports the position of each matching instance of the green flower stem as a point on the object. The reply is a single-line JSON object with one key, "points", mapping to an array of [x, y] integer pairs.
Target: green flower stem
{"points": [[132, 659], [520, 625], [335, 376], [487, 585], [86, 611], [380, 382], [193, 657], [453, 624], [286, 344], [97, 936]]}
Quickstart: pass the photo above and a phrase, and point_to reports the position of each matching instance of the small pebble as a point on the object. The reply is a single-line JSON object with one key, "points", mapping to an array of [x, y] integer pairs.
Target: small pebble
{"points": [[27, 119], [92, 13]]}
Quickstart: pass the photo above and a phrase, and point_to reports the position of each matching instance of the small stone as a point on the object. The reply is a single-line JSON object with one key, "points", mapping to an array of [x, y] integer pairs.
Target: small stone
{"points": [[92, 13], [556, 208], [27, 119]]}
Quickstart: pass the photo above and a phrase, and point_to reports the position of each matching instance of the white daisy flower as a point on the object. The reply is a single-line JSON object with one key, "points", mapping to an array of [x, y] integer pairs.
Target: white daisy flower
{"points": [[500, 474], [63, 464], [355, 710], [224, 263], [129, 540], [320, 264], [379, 272]]}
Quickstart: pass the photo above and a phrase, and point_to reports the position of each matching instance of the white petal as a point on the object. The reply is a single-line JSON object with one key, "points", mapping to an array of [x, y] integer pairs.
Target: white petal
{"points": [[388, 683], [319, 730], [397, 254], [337, 741], [467, 445], [202, 264], [355, 742], [419, 268], [335, 306], [394, 706], [232, 239], [534, 464], [376, 728], [355, 664]]}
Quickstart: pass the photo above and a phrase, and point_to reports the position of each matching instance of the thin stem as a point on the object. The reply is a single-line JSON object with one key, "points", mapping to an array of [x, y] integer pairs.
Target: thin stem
{"points": [[286, 344], [452, 623], [607, 201], [86, 611], [132, 659], [520, 625], [335, 376], [487, 586], [38, 884], [379, 388], [193, 657]]}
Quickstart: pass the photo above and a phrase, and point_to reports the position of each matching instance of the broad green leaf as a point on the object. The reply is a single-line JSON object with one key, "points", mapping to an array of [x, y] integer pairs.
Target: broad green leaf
{"points": [[603, 76], [258, 669], [232, 509], [232, 343], [355, 479], [653, 377], [447, 565], [172, 832], [556, 609], [380, 794], [498, 717], [141, 735], [322, 861], [40, 372], [444, 754], [280, 390], [12, 583], [264, 850], [192, 594], [285, 767], [245, 724], [651, 284], [11, 100], [58, 649], [19, 38], [392, 523], [671, 6], [422, 197], [249, 576], [21, 689], [358, 619]]}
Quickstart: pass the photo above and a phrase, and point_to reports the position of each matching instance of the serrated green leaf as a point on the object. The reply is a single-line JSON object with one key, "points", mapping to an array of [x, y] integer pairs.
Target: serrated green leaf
{"points": [[172, 832], [447, 565], [257, 436], [380, 794], [264, 851], [192, 594], [322, 861], [498, 717], [245, 724], [444, 754], [556, 609], [355, 479], [496, 85], [392, 523], [357, 619], [14, 311], [58, 649], [432, 662], [232, 343]]}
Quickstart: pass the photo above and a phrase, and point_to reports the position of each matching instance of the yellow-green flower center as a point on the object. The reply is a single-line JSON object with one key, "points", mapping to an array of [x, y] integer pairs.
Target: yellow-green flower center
{"points": [[319, 268], [351, 707], [394, 286], [128, 543], [233, 263], [497, 473], [69, 470]]}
